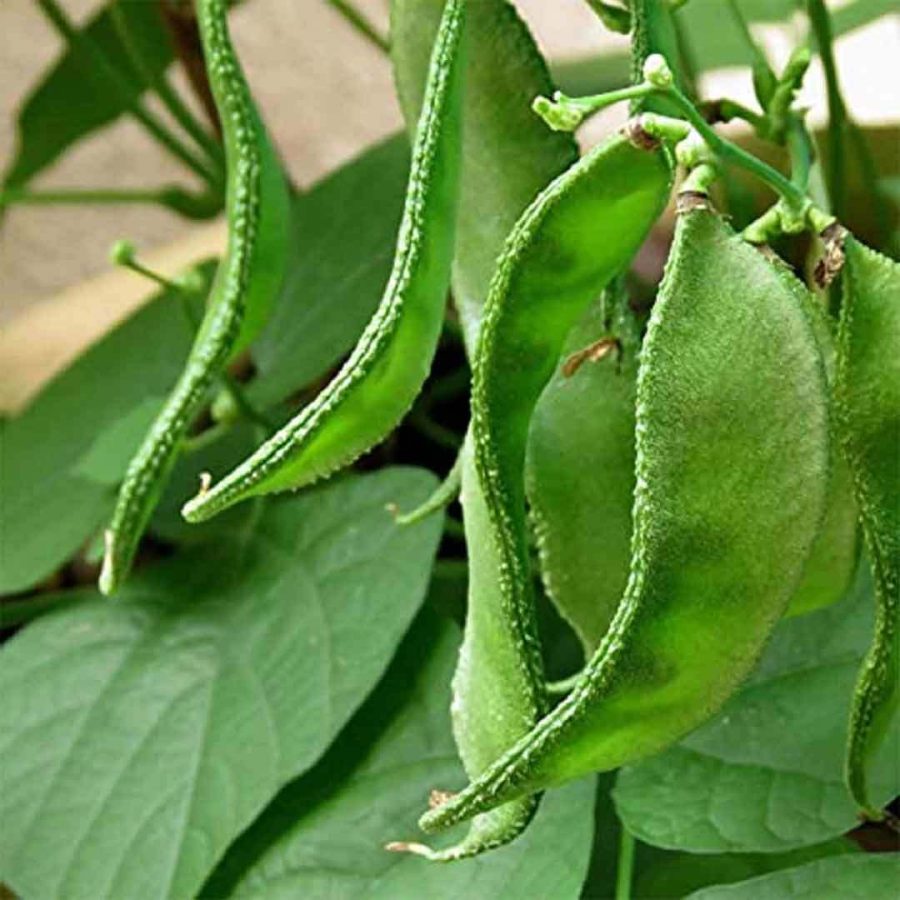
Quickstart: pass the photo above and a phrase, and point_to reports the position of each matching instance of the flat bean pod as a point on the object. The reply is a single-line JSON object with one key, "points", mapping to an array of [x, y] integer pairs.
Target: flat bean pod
{"points": [[580, 468], [584, 423], [379, 381], [509, 156], [833, 559], [731, 474], [577, 234], [244, 288], [868, 398]]}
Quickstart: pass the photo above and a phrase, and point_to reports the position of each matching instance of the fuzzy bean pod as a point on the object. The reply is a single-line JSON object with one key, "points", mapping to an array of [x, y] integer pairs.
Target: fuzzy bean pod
{"points": [[509, 157], [580, 468], [868, 398], [246, 282], [566, 247], [377, 384], [731, 475]]}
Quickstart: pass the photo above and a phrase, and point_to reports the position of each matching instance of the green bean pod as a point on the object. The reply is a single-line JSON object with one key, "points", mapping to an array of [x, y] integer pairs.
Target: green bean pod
{"points": [[246, 282], [584, 423], [509, 157], [577, 234], [509, 154], [833, 559], [731, 474], [868, 399], [579, 472], [379, 381]]}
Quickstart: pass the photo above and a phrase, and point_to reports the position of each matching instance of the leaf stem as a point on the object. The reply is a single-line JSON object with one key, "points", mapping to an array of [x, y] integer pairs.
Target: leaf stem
{"points": [[625, 868], [247, 410], [64, 196], [837, 111], [81, 43], [565, 113], [361, 24], [158, 82]]}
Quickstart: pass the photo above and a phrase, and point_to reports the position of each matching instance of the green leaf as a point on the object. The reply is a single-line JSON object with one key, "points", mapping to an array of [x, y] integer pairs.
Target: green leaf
{"points": [[140, 737], [662, 873], [864, 876], [73, 98], [106, 459], [344, 232], [767, 773], [665, 874], [324, 835], [53, 494]]}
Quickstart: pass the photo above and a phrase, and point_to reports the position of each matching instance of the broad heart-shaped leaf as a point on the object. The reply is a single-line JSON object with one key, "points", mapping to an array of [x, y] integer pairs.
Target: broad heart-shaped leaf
{"points": [[74, 99], [140, 737], [767, 773], [61, 458], [324, 835], [860, 877], [344, 233]]}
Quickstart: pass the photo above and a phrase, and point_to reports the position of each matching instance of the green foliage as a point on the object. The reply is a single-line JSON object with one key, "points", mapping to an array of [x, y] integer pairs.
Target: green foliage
{"points": [[268, 708], [179, 723], [767, 773], [872, 875], [73, 99], [375, 775]]}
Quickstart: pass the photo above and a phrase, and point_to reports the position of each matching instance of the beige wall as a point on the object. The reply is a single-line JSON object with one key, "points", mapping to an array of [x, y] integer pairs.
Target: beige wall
{"points": [[325, 93]]}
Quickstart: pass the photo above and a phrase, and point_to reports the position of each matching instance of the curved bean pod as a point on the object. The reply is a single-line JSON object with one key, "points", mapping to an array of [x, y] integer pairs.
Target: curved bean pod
{"points": [[378, 383], [576, 235], [244, 288], [868, 398], [833, 559], [509, 156], [580, 469], [731, 473], [584, 423]]}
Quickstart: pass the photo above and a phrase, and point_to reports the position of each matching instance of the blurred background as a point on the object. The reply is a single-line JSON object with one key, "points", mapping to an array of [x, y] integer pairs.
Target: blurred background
{"points": [[326, 93]]}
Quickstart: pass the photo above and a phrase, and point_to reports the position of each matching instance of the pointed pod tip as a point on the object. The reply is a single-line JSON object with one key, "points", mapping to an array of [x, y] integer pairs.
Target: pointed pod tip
{"points": [[410, 847], [107, 582], [193, 511]]}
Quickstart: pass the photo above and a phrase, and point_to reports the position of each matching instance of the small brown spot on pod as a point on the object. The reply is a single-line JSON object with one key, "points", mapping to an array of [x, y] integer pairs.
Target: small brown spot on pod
{"points": [[439, 798], [637, 136], [832, 261], [688, 201]]}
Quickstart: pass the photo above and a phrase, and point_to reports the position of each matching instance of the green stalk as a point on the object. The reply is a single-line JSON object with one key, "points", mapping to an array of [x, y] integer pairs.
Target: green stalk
{"points": [[837, 111], [625, 868], [361, 24], [24, 197], [163, 89], [80, 43]]}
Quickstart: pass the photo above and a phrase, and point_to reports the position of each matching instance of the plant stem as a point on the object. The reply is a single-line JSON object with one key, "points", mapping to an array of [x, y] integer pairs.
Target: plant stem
{"points": [[362, 25], [80, 43], [245, 407], [163, 89], [566, 113], [155, 277], [800, 148], [730, 152], [625, 868], [24, 197], [837, 111]]}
